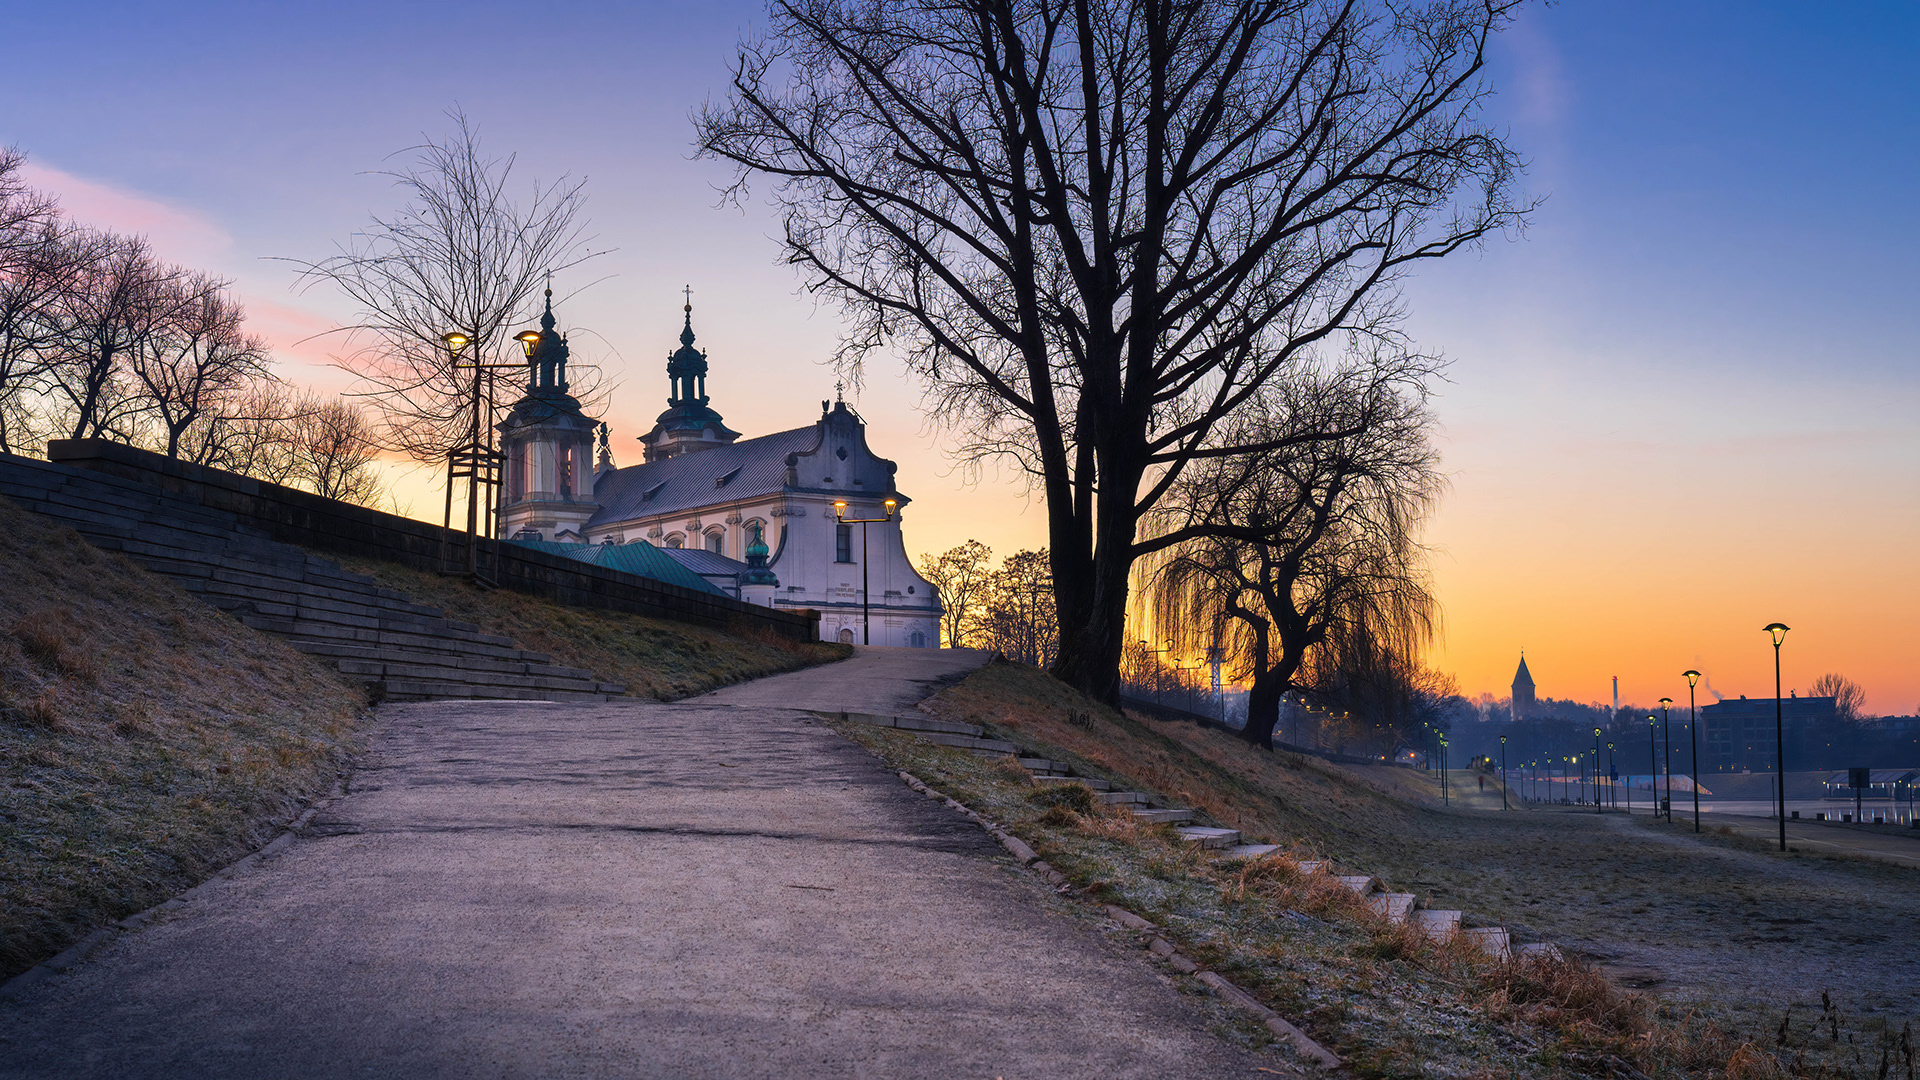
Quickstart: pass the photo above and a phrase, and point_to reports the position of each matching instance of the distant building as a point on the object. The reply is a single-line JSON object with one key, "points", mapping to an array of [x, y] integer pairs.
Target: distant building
{"points": [[1524, 703], [1737, 735]]}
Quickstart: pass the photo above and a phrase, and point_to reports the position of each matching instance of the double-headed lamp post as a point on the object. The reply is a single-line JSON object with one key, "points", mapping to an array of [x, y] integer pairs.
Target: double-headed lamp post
{"points": [[1779, 633], [1693, 735], [866, 595], [1666, 736]]}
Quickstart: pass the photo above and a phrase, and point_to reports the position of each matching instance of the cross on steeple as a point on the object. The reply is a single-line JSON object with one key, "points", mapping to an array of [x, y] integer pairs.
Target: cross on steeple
{"points": [[689, 294]]}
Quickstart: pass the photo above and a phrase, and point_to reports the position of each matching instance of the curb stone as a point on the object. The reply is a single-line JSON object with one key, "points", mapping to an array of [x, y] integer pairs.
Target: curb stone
{"points": [[1296, 1039]]}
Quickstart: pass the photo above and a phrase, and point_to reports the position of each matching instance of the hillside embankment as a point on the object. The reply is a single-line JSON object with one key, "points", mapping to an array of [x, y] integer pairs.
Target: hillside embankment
{"points": [[1698, 956], [146, 739]]}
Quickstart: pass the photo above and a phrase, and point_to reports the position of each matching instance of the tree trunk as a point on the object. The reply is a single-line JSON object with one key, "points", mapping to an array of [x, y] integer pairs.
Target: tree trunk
{"points": [[1263, 708]]}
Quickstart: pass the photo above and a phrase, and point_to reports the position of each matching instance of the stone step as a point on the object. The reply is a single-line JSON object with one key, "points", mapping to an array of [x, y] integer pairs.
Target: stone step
{"points": [[1164, 817], [423, 690], [1492, 940], [1363, 884], [390, 670], [1208, 837], [968, 742], [915, 723], [461, 661], [452, 643], [1096, 785], [1249, 851], [1312, 866], [1394, 905], [1438, 925], [1123, 798], [1040, 766]]}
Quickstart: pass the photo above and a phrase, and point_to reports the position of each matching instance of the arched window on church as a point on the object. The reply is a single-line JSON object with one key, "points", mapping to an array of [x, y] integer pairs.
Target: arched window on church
{"points": [[918, 639], [842, 543], [676, 541], [716, 540]]}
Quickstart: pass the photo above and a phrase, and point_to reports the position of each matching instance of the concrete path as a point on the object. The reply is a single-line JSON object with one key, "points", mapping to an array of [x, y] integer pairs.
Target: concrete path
{"points": [[621, 890], [876, 679]]}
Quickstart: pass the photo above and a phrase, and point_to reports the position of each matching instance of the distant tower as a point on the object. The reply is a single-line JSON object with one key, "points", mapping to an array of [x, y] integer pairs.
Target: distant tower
{"points": [[1523, 699], [548, 443], [688, 424]]}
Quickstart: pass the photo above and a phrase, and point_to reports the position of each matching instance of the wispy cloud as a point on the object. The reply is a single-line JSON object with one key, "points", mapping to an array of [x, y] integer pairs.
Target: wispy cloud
{"points": [[179, 234]]}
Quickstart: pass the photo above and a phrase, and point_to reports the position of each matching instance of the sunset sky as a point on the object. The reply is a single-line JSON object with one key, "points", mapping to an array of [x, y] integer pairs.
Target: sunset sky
{"points": [[1682, 406]]}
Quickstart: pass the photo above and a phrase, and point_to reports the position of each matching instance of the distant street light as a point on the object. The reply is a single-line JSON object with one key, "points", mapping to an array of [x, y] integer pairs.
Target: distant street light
{"points": [[1445, 798], [1653, 760], [1613, 796], [1666, 736], [866, 596], [1503, 773], [1596, 770], [1693, 735], [1779, 633]]}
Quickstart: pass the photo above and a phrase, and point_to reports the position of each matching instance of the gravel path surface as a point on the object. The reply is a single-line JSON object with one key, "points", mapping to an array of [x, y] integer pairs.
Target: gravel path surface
{"points": [[628, 889]]}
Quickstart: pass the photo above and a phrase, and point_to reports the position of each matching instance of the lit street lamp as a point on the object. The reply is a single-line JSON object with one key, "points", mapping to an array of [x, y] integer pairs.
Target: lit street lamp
{"points": [[1693, 734], [1613, 778], [1779, 633], [1596, 770], [866, 606], [1666, 736], [1653, 759]]}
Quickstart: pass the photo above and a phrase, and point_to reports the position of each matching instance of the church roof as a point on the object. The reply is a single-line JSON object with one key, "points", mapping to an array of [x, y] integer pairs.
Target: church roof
{"points": [[702, 561], [639, 558], [1523, 677], [744, 470]]}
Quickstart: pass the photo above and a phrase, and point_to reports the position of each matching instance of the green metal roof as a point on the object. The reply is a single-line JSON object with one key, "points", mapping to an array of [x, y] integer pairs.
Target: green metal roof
{"points": [[639, 558]]}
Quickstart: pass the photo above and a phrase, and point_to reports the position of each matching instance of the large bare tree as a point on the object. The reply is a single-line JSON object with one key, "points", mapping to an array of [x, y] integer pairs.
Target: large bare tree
{"points": [[36, 266], [463, 254], [199, 361], [1097, 228]]}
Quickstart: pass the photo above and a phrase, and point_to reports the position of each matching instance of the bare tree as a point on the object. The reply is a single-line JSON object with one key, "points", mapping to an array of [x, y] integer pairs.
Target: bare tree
{"points": [[250, 433], [960, 574], [199, 360], [1300, 564], [1017, 617], [333, 451], [461, 255], [1097, 228], [1849, 700], [121, 300], [36, 266]]}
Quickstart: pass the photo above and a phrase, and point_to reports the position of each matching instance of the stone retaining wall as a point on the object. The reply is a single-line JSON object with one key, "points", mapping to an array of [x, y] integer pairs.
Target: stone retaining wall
{"points": [[303, 518]]}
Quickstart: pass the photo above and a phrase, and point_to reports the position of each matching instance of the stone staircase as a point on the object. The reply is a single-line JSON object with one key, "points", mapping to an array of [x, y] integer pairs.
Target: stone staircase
{"points": [[377, 636], [1438, 924]]}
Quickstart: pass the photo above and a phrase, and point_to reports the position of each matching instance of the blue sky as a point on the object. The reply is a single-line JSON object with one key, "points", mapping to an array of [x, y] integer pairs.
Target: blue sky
{"points": [[1683, 403]]}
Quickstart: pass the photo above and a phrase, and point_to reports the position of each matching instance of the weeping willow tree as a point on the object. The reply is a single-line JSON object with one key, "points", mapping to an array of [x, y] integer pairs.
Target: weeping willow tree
{"points": [[1304, 568]]}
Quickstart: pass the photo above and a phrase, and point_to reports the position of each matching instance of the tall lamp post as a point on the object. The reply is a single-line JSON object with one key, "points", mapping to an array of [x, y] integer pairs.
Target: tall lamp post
{"points": [[1666, 736], [1653, 760], [866, 596], [1503, 773], [1613, 780], [1596, 770], [1444, 796], [1779, 633], [1693, 736]]}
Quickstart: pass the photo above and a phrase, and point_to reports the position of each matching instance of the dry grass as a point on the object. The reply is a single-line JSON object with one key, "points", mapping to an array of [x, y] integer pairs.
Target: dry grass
{"points": [[1389, 1000], [145, 738], [654, 658]]}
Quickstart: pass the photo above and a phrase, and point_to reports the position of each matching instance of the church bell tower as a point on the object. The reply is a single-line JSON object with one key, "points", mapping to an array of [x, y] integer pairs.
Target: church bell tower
{"points": [[548, 443], [689, 424]]}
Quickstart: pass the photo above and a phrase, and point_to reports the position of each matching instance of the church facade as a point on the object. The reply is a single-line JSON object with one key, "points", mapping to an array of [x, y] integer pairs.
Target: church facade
{"points": [[770, 520]]}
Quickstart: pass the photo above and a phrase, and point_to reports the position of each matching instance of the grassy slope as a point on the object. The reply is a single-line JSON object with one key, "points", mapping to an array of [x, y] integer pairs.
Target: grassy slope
{"points": [[145, 738], [655, 658], [1391, 1003]]}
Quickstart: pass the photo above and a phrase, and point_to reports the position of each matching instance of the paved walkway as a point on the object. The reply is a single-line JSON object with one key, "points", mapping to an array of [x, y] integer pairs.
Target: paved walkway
{"points": [[622, 890]]}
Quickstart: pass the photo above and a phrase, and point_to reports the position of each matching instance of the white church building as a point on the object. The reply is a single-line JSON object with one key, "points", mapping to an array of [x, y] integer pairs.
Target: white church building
{"points": [[760, 519]]}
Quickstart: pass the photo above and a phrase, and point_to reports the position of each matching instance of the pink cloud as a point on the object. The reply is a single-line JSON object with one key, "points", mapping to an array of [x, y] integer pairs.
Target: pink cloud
{"points": [[178, 234]]}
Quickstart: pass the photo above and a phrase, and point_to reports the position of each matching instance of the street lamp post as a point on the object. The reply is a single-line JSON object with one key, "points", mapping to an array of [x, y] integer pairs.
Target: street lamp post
{"points": [[1596, 770], [1444, 797], [1666, 736], [866, 596], [1613, 786], [1693, 736], [1779, 633], [1653, 760], [1503, 773]]}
